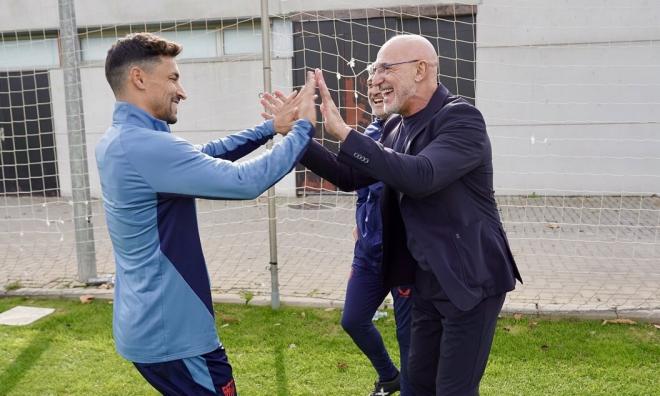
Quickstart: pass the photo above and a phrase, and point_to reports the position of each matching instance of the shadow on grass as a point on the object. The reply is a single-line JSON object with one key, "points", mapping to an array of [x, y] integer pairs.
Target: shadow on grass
{"points": [[280, 372], [23, 362]]}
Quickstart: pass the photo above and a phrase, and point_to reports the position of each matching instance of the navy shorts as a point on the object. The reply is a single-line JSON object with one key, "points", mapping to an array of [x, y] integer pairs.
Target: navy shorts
{"points": [[207, 374]]}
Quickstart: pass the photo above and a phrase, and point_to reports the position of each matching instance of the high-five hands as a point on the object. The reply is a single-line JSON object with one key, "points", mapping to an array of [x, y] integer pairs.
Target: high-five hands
{"points": [[285, 110], [334, 124]]}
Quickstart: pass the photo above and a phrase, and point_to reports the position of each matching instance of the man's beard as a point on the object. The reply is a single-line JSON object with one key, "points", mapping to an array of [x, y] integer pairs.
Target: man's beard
{"points": [[400, 99]]}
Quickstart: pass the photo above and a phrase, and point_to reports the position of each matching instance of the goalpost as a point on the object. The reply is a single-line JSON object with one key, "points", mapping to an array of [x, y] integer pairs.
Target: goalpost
{"points": [[569, 94]]}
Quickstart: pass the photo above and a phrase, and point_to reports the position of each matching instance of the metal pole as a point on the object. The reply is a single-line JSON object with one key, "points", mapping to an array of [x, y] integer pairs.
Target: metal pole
{"points": [[82, 210], [272, 219]]}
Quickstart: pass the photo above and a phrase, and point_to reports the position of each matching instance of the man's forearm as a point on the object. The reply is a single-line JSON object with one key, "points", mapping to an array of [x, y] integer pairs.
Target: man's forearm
{"points": [[324, 163], [239, 144]]}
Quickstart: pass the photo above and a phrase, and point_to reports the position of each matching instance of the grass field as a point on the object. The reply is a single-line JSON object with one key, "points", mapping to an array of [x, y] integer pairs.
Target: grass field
{"points": [[297, 351]]}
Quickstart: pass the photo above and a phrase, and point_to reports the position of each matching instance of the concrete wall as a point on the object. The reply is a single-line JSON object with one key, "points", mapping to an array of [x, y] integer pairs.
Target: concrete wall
{"points": [[569, 89], [570, 94], [20, 15], [223, 92]]}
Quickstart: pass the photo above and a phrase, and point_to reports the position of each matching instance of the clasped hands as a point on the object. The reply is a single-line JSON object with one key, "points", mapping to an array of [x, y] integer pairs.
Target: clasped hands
{"points": [[284, 110]]}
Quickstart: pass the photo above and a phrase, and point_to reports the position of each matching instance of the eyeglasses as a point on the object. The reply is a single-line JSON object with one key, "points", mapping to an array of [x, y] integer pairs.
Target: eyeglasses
{"points": [[385, 67]]}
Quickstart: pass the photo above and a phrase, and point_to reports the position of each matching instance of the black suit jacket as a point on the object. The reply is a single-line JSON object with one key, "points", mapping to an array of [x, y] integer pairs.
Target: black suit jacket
{"points": [[442, 183]]}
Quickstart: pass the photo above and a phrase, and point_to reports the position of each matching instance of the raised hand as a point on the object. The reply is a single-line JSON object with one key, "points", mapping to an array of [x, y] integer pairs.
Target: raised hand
{"points": [[334, 124], [281, 109], [285, 110], [307, 98]]}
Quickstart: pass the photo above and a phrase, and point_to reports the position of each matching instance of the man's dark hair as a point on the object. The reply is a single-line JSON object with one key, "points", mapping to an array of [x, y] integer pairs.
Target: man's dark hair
{"points": [[141, 49]]}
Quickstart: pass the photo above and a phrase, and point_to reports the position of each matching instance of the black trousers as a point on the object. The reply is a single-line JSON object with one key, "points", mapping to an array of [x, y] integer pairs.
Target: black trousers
{"points": [[449, 347]]}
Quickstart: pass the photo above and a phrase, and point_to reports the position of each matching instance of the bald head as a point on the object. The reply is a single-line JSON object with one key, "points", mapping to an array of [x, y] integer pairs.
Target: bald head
{"points": [[406, 71], [408, 45]]}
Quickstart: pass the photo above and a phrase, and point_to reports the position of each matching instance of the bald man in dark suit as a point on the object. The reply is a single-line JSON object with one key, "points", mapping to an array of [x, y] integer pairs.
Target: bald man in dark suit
{"points": [[441, 226]]}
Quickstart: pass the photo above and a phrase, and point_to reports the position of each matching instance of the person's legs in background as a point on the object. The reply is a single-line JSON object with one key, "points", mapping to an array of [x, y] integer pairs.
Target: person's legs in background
{"points": [[364, 294], [403, 302]]}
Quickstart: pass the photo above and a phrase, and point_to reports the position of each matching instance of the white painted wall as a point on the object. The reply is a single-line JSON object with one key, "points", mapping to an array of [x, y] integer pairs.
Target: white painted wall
{"points": [[223, 92], [570, 92], [20, 15], [58, 104]]}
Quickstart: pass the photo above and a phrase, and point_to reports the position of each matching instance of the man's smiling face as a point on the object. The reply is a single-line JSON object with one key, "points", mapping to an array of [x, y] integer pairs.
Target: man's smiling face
{"points": [[375, 98], [164, 89]]}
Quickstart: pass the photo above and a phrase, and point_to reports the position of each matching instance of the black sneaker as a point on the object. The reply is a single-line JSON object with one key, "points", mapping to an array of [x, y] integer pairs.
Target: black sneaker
{"points": [[386, 388]]}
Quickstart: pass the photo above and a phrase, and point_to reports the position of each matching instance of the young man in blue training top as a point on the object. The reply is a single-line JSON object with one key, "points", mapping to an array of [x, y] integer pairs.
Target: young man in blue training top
{"points": [[367, 289], [163, 317]]}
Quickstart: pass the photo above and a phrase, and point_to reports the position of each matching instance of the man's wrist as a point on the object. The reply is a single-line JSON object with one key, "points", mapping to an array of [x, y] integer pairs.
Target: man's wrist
{"points": [[343, 132], [270, 126]]}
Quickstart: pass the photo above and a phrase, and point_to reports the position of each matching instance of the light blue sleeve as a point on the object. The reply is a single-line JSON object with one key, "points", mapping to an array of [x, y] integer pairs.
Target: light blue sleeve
{"points": [[171, 165], [240, 144]]}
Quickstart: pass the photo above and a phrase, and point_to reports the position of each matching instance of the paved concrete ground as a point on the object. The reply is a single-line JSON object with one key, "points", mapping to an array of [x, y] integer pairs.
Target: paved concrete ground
{"points": [[577, 255], [22, 316]]}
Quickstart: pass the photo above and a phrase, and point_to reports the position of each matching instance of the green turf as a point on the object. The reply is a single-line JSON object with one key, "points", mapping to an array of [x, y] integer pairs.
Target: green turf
{"points": [[305, 352]]}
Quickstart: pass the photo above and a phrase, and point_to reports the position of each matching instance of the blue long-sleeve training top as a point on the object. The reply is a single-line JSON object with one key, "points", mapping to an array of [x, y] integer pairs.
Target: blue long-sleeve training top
{"points": [[149, 180]]}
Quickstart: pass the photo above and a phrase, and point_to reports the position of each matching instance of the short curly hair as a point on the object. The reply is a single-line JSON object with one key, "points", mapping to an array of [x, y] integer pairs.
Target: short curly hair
{"points": [[142, 49]]}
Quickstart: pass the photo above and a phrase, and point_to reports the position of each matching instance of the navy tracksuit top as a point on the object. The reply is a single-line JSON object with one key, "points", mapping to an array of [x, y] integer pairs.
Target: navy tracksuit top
{"points": [[369, 246]]}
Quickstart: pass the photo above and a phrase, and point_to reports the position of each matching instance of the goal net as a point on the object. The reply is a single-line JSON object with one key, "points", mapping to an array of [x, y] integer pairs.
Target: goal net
{"points": [[569, 94]]}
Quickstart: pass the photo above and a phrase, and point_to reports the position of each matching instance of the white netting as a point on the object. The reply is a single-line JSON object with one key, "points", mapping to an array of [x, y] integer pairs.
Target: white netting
{"points": [[568, 92]]}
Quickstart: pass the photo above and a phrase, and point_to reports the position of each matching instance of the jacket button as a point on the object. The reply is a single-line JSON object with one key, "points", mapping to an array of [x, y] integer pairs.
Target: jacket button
{"points": [[458, 236]]}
